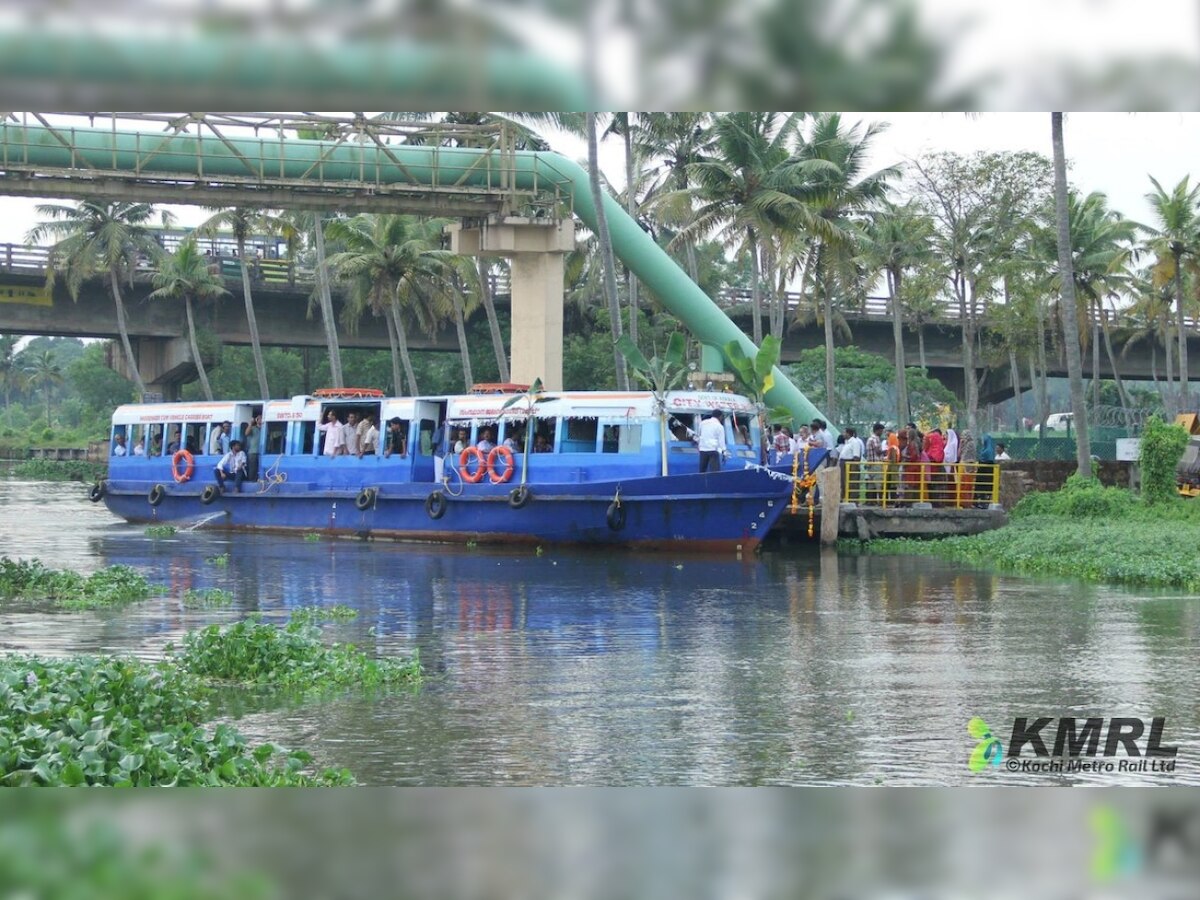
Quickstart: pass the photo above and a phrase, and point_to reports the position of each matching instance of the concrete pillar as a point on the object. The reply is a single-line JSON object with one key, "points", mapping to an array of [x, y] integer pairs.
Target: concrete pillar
{"points": [[536, 248], [165, 364]]}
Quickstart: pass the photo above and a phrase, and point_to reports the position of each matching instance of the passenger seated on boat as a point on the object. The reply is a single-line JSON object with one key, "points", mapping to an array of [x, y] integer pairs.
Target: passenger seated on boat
{"points": [[460, 442], [515, 438], [119, 448], [173, 447], [396, 440], [232, 463], [542, 445], [139, 449], [487, 441], [156, 445]]}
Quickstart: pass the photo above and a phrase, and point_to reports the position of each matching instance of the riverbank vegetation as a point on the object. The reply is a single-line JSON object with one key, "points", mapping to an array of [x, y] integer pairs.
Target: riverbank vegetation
{"points": [[59, 470]]}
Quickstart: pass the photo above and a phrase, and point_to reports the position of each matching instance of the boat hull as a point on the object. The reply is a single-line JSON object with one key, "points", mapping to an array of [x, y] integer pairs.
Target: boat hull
{"points": [[732, 510]]}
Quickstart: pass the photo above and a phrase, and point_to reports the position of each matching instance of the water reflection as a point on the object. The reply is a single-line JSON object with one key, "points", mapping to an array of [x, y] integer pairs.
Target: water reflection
{"points": [[594, 668]]}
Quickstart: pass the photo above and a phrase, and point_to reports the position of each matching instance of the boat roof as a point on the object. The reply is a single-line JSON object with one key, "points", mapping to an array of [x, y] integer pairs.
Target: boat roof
{"points": [[601, 404]]}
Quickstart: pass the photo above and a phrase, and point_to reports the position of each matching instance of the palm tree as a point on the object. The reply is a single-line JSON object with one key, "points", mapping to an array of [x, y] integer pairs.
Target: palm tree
{"points": [[393, 268], [12, 378], [46, 374], [741, 184], [896, 239], [244, 223], [606, 251], [1177, 236], [184, 275], [99, 238], [834, 196], [1083, 449], [672, 143]]}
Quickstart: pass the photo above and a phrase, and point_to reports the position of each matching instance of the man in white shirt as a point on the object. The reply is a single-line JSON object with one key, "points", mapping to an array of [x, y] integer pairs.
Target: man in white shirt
{"points": [[335, 436], [219, 442], [370, 438], [139, 449], [850, 458], [119, 449], [350, 434], [232, 463], [1002, 453], [711, 442]]}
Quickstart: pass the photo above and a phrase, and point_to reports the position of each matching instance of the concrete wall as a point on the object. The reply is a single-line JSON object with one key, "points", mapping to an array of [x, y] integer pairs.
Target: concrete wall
{"points": [[1023, 477]]}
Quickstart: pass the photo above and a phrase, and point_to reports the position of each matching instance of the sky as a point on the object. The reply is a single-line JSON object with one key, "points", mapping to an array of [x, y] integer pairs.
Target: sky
{"points": [[1109, 152]]}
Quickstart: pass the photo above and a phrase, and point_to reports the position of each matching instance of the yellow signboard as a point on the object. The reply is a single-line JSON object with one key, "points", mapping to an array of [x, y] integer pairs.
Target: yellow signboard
{"points": [[26, 294]]}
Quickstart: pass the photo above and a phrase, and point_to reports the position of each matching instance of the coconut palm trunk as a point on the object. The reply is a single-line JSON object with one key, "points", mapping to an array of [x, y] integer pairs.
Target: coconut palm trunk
{"points": [[260, 368], [631, 208], [1015, 373], [1112, 361], [755, 286], [114, 284], [894, 281], [325, 298], [397, 378], [485, 291], [402, 343], [461, 328], [1083, 450], [1184, 393], [606, 252], [191, 324]]}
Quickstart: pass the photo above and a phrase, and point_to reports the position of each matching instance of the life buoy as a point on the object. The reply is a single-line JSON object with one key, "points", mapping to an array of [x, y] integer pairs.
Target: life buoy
{"points": [[435, 505], [364, 499], [156, 495], [209, 494], [500, 452], [464, 461], [519, 497], [96, 494], [189, 466], [616, 515]]}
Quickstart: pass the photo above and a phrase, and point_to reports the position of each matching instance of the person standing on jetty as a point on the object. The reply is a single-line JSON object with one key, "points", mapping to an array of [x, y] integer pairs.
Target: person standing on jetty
{"points": [[711, 442]]}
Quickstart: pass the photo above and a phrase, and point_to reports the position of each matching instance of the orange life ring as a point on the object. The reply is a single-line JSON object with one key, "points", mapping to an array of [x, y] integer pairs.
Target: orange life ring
{"points": [[464, 460], [189, 466], [503, 453]]}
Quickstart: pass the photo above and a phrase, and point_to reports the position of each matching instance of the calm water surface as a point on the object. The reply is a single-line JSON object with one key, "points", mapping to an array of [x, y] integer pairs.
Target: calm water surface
{"points": [[614, 669]]}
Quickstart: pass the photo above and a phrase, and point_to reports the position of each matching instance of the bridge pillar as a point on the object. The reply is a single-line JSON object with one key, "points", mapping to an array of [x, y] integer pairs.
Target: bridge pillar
{"points": [[165, 364], [536, 248]]}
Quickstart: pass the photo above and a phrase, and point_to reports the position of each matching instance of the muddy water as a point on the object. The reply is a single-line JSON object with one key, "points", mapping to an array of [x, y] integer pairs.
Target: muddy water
{"points": [[594, 668]]}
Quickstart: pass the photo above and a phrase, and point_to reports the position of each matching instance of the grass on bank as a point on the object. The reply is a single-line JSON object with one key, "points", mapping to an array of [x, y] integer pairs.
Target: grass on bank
{"points": [[1084, 531], [59, 470], [110, 587]]}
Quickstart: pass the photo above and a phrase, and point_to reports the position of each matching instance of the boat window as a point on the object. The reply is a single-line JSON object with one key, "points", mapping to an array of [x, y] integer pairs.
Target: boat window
{"points": [[579, 435], [682, 427], [743, 430], [624, 438], [154, 440], [175, 441], [543, 439], [514, 429], [308, 433], [487, 431], [193, 438], [276, 436]]}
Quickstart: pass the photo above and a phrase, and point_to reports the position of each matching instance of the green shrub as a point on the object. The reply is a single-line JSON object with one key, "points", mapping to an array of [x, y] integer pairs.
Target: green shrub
{"points": [[97, 721], [60, 470], [293, 656], [209, 597], [220, 561], [1080, 497], [160, 530], [313, 614], [1162, 447]]}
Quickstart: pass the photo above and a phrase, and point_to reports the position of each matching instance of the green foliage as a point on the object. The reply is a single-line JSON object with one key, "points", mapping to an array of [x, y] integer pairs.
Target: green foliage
{"points": [[311, 615], [160, 530], [1080, 498], [659, 373], [60, 470], [96, 721], [312, 537], [1162, 447], [221, 560], [291, 657], [113, 586], [1148, 553], [207, 598]]}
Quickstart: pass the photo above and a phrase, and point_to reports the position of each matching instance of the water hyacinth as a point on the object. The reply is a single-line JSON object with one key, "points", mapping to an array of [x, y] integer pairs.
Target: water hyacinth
{"points": [[109, 587], [291, 657], [111, 721]]}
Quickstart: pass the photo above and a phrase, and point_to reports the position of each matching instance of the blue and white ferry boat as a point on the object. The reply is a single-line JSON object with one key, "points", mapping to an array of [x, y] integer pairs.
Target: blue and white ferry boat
{"points": [[578, 468]]}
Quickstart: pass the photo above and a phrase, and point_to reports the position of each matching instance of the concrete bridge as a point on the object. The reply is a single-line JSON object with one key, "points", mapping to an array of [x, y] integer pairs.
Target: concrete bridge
{"points": [[281, 297]]}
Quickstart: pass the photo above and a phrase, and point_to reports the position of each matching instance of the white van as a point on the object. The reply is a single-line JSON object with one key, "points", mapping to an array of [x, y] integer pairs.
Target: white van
{"points": [[1059, 421]]}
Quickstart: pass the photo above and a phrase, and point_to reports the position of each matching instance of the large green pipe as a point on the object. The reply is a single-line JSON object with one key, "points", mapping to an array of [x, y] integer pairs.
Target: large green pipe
{"points": [[293, 159], [236, 71]]}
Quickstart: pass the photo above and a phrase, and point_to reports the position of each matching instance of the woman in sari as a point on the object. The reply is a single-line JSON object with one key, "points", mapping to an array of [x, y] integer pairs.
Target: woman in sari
{"points": [[910, 465], [967, 457], [935, 482]]}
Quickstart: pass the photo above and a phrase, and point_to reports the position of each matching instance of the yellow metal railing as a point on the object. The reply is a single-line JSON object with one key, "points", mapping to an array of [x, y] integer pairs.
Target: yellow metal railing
{"points": [[941, 485]]}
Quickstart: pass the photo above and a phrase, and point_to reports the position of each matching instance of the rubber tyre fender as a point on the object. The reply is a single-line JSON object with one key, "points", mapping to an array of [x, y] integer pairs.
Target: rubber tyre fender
{"points": [[157, 494], [435, 505], [615, 516], [96, 494], [209, 494], [365, 499], [519, 497]]}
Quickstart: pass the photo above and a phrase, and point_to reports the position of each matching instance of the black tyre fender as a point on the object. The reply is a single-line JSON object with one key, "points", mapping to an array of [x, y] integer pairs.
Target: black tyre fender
{"points": [[209, 494], [96, 494], [519, 497], [156, 495], [365, 499], [616, 516], [435, 505]]}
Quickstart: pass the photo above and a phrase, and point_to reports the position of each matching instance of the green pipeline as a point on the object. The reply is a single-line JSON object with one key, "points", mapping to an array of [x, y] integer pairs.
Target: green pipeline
{"points": [[296, 159]]}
